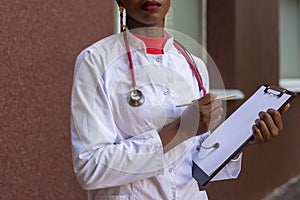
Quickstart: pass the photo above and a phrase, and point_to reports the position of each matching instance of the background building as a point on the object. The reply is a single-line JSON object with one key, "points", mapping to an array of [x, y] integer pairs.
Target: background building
{"points": [[248, 40]]}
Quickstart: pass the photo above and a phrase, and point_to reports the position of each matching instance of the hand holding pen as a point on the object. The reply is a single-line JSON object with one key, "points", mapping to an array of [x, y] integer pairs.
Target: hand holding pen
{"points": [[200, 116], [209, 109]]}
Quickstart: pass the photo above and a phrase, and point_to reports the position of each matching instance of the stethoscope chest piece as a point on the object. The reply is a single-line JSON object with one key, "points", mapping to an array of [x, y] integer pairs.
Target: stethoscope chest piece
{"points": [[135, 98]]}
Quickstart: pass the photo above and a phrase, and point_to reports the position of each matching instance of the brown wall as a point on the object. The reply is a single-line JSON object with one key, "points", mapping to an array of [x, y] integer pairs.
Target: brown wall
{"points": [[38, 46], [39, 43], [243, 41]]}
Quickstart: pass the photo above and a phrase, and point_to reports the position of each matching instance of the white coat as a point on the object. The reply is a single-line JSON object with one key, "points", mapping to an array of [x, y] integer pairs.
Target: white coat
{"points": [[117, 152]]}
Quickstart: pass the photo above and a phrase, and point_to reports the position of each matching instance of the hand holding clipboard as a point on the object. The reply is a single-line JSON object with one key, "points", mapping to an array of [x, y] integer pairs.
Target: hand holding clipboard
{"points": [[236, 131]]}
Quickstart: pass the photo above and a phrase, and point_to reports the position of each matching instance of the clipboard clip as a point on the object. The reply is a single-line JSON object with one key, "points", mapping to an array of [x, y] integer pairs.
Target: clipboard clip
{"points": [[273, 90]]}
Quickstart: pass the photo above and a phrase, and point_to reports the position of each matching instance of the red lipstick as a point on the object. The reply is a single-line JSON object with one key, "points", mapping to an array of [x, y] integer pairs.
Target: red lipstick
{"points": [[151, 6]]}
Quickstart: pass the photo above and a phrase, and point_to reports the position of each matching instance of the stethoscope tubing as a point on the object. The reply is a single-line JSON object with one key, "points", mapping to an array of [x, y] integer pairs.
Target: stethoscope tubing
{"points": [[181, 49]]}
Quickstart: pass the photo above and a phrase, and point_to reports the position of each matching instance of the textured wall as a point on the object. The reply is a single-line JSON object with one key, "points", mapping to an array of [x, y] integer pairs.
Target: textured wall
{"points": [[246, 52], [39, 43]]}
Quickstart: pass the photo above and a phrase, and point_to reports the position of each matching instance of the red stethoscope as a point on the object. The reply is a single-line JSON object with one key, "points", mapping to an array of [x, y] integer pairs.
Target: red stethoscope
{"points": [[135, 97]]}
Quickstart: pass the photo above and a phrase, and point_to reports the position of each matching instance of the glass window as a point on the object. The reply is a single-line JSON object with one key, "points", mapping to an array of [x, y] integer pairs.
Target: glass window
{"points": [[189, 19], [290, 44]]}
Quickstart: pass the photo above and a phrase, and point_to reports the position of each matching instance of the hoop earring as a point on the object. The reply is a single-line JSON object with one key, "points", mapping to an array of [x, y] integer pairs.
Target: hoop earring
{"points": [[122, 26]]}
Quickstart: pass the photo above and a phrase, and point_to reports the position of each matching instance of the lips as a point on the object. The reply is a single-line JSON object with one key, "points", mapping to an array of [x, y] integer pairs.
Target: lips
{"points": [[151, 6]]}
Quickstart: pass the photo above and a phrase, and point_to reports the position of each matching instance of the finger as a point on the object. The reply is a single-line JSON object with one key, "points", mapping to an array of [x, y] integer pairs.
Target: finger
{"points": [[217, 114], [277, 119], [214, 123], [209, 108], [258, 138], [269, 122], [216, 104], [285, 108], [207, 99], [264, 131], [210, 119]]}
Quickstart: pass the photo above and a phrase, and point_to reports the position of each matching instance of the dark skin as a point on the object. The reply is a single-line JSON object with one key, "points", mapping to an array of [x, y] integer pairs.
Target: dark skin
{"points": [[267, 126], [139, 17]]}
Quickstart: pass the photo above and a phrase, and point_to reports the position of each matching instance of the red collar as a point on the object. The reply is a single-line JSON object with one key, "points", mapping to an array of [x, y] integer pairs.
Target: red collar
{"points": [[153, 45]]}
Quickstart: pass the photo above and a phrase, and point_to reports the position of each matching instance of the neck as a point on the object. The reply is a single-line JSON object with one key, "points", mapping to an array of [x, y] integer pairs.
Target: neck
{"points": [[151, 30]]}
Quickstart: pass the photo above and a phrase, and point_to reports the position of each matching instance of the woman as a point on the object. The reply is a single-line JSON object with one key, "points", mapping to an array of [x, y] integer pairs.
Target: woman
{"points": [[129, 139]]}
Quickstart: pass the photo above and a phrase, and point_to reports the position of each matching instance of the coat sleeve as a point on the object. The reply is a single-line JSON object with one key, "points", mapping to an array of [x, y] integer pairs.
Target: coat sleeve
{"points": [[231, 170], [98, 160]]}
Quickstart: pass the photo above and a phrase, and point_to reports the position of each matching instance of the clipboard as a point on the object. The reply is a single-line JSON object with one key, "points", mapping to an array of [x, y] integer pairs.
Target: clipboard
{"points": [[228, 139]]}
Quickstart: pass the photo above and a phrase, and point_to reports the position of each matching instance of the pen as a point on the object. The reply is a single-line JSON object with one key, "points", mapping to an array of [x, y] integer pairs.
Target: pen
{"points": [[219, 98]]}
